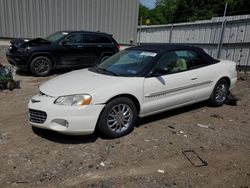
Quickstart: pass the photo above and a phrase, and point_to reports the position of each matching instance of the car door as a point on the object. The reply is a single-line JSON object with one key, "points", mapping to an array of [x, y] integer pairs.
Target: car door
{"points": [[175, 87], [70, 50], [97, 46], [203, 73]]}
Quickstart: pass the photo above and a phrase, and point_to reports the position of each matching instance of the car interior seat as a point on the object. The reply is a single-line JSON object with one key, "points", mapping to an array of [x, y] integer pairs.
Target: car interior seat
{"points": [[168, 61], [180, 65]]}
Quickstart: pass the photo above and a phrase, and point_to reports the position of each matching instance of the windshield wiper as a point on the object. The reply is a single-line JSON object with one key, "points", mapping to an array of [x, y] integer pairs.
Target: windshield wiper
{"points": [[107, 71]]}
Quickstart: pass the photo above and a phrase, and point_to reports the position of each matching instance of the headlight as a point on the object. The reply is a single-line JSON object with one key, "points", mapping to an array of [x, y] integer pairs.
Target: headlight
{"points": [[74, 100]]}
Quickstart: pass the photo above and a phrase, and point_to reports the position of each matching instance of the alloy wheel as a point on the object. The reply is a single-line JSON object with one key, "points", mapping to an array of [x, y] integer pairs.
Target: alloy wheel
{"points": [[119, 118], [221, 93], [41, 65]]}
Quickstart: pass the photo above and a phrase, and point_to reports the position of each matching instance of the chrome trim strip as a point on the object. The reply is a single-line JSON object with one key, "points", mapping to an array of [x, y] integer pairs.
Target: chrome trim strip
{"points": [[157, 94]]}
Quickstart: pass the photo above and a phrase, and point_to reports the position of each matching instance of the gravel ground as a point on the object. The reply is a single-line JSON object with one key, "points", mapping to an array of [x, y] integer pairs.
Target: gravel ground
{"points": [[151, 156]]}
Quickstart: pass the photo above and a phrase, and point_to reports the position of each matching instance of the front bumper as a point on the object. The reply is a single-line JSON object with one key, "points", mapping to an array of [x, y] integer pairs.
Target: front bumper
{"points": [[71, 120], [20, 61]]}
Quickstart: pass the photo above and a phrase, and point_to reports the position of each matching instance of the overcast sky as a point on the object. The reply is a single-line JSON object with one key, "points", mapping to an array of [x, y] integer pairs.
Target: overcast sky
{"points": [[148, 3]]}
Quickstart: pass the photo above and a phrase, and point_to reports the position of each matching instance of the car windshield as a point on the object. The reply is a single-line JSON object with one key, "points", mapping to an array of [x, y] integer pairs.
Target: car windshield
{"points": [[125, 63], [56, 36]]}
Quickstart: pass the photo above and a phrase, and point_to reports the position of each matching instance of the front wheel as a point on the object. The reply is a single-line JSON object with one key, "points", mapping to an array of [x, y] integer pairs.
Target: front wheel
{"points": [[40, 66], [118, 118], [220, 93]]}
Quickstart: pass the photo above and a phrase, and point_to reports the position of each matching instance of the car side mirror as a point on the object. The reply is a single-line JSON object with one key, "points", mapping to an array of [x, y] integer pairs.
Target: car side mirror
{"points": [[63, 43]]}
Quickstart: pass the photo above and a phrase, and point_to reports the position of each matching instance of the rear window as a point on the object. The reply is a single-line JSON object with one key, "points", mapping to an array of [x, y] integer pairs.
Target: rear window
{"points": [[91, 38]]}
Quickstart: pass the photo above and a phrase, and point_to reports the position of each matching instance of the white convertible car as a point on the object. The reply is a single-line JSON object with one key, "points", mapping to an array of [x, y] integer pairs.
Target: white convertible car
{"points": [[137, 82]]}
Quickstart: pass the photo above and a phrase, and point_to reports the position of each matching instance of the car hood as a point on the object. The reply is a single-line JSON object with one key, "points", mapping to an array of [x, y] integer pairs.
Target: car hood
{"points": [[29, 42], [81, 82]]}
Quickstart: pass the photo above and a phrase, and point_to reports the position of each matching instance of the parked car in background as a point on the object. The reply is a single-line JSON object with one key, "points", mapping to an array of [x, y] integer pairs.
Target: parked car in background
{"points": [[136, 82], [64, 49]]}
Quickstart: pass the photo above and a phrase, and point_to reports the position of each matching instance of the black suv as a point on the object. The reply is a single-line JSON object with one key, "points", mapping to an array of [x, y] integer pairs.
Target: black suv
{"points": [[64, 49]]}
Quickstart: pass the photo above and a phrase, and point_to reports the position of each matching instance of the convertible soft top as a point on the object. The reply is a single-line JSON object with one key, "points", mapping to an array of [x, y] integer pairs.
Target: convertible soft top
{"points": [[163, 47]]}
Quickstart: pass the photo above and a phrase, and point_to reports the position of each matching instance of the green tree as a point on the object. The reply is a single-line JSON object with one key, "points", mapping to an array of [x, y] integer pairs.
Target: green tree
{"points": [[145, 13], [175, 11]]}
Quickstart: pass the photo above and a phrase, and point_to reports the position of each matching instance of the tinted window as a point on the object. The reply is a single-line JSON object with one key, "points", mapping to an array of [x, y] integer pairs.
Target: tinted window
{"points": [[74, 38], [192, 58], [180, 60], [91, 38], [56, 36], [104, 39], [172, 62]]}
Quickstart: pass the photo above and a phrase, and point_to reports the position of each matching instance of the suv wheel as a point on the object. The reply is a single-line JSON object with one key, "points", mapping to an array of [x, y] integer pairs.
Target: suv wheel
{"points": [[118, 118], [104, 58], [40, 66]]}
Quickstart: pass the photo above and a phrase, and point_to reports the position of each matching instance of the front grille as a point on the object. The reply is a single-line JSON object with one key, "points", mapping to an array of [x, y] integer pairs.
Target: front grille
{"points": [[37, 116]]}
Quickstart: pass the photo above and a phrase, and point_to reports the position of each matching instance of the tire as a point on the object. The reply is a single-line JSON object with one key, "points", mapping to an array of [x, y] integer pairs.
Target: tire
{"points": [[220, 93], [11, 85], [118, 118], [103, 59], [40, 66]]}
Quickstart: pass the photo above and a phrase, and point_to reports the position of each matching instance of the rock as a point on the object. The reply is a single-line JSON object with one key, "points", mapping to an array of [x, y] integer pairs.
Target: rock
{"points": [[203, 126], [102, 164], [90, 166], [217, 116], [173, 132], [171, 127], [161, 171]]}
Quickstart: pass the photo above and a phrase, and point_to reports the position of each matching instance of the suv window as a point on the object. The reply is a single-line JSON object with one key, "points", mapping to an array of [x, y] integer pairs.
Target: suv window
{"points": [[179, 60], [92, 38], [74, 38]]}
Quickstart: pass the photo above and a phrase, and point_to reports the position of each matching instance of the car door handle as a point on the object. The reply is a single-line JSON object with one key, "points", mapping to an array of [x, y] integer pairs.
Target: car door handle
{"points": [[99, 46], [194, 78], [79, 46]]}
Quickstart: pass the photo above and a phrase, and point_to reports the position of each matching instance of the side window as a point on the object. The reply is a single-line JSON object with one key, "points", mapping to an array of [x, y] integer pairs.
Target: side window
{"points": [[105, 39], [196, 60], [192, 58], [74, 38], [172, 62], [91, 38], [178, 61]]}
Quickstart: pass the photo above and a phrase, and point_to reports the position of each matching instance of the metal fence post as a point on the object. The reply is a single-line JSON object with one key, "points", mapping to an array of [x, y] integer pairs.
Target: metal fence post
{"points": [[220, 42], [139, 41], [170, 33]]}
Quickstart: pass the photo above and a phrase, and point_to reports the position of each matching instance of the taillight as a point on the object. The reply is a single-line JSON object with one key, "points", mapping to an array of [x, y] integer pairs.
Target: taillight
{"points": [[118, 46]]}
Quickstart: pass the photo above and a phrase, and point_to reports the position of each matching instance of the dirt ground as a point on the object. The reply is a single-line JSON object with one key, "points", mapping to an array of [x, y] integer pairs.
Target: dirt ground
{"points": [[151, 156]]}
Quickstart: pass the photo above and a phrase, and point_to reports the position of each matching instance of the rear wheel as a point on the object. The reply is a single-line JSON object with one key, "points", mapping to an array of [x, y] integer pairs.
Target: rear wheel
{"points": [[220, 93], [40, 66], [104, 58], [118, 118]]}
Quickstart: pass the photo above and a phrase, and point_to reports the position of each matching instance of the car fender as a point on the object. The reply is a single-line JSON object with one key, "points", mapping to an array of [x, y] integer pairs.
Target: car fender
{"points": [[129, 87], [43, 53], [228, 71]]}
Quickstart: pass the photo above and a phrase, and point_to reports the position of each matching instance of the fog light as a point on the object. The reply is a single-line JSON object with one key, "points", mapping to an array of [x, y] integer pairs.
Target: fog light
{"points": [[61, 122]]}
